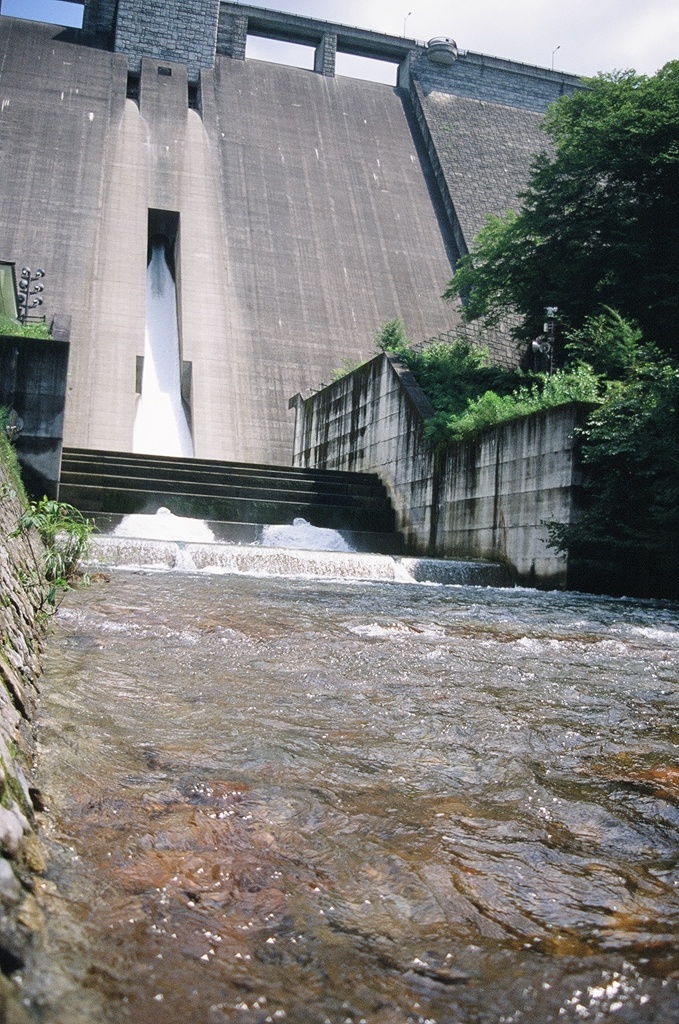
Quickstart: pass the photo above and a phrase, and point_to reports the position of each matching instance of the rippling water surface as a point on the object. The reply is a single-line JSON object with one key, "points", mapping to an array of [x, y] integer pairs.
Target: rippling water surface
{"points": [[304, 801]]}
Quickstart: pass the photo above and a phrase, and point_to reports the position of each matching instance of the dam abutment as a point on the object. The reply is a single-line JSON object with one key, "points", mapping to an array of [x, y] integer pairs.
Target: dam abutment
{"points": [[488, 497]]}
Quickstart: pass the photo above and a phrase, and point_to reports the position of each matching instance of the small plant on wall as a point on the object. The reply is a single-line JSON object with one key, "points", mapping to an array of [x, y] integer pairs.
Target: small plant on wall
{"points": [[35, 329], [65, 535], [14, 487]]}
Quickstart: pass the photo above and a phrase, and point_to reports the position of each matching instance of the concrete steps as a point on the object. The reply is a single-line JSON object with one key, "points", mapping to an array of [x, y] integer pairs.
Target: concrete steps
{"points": [[235, 497]]}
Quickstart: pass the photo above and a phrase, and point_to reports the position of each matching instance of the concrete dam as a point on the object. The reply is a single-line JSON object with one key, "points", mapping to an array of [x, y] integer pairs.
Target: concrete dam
{"points": [[302, 209]]}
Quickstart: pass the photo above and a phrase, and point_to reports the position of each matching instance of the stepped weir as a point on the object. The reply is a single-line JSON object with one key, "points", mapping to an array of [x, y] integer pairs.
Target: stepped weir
{"points": [[258, 519], [237, 499]]}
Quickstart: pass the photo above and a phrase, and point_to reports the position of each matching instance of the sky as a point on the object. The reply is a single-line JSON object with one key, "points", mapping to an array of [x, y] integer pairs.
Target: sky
{"points": [[579, 36]]}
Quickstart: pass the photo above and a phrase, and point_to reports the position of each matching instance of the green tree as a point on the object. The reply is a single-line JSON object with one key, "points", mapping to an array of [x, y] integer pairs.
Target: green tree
{"points": [[627, 539], [391, 337], [599, 223], [611, 345]]}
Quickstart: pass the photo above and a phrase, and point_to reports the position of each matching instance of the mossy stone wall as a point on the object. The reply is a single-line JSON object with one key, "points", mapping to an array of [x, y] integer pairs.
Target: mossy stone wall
{"points": [[21, 645]]}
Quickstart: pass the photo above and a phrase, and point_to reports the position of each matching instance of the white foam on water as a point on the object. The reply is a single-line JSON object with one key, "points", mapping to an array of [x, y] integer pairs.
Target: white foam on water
{"points": [[304, 537], [164, 525], [401, 574], [397, 629], [184, 560], [262, 561], [180, 553]]}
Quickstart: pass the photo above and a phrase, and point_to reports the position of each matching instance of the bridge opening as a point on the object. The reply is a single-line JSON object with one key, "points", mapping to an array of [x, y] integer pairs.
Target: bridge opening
{"points": [[53, 12], [368, 69], [299, 55], [277, 51]]}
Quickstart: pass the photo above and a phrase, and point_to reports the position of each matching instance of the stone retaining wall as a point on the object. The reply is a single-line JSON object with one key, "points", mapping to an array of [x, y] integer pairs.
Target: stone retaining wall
{"points": [[177, 31], [21, 644]]}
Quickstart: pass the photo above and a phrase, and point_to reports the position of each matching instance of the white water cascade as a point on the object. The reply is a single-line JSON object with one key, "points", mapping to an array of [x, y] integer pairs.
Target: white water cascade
{"points": [[167, 542], [164, 526], [303, 536], [161, 426]]}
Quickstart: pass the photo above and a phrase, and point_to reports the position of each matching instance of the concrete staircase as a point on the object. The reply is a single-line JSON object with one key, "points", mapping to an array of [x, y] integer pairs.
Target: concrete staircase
{"points": [[236, 499]]}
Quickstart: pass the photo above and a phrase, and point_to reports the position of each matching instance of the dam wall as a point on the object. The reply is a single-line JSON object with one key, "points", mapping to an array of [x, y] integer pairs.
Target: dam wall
{"points": [[310, 208], [486, 497]]}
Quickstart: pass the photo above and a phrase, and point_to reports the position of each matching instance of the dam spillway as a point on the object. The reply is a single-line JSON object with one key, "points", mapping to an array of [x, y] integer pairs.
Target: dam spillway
{"points": [[161, 426]]}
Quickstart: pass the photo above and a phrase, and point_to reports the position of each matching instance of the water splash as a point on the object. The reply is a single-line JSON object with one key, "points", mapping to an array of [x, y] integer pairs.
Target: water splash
{"points": [[161, 426], [164, 525], [304, 537], [126, 550], [166, 541]]}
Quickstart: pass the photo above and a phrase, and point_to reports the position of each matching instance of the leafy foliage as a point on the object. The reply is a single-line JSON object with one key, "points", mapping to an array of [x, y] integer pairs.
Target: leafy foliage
{"points": [[469, 393], [579, 385], [450, 374], [627, 538], [65, 534], [611, 345], [391, 337], [63, 531], [600, 218], [35, 329], [9, 459]]}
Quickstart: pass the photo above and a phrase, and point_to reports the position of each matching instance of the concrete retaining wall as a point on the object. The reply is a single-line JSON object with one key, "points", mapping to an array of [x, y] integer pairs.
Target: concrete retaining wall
{"points": [[497, 490], [483, 498], [33, 379], [372, 420]]}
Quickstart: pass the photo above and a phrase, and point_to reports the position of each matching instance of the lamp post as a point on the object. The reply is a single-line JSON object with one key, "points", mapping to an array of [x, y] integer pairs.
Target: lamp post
{"points": [[545, 346], [553, 52], [29, 292], [404, 22]]}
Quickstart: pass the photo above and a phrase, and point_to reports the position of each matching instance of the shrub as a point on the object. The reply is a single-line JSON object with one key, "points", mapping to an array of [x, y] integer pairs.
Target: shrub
{"points": [[610, 344], [9, 459], [391, 337], [65, 534], [37, 329], [579, 385], [469, 393]]}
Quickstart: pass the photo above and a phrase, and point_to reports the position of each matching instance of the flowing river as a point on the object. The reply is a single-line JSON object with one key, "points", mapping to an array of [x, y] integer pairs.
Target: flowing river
{"points": [[334, 803]]}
